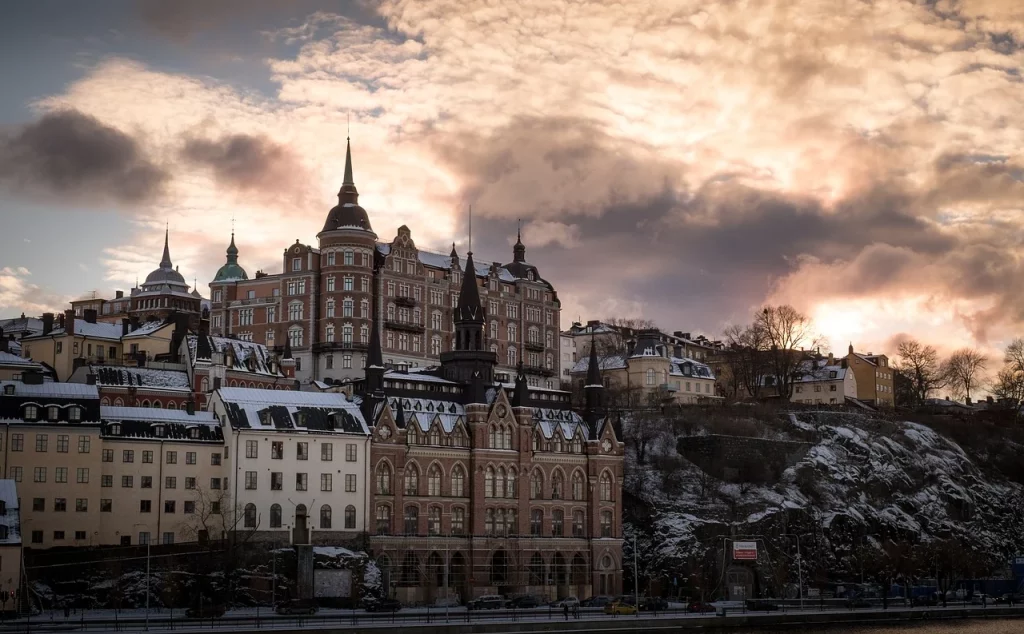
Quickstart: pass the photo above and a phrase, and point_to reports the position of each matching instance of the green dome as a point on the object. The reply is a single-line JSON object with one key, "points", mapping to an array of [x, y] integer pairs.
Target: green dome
{"points": [[231, 271]]}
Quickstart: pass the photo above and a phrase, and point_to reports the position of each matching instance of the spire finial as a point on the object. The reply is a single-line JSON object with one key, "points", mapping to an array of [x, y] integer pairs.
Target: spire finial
{"points": [[519, 230], [165, 261], [518, 249], [470, 251]]}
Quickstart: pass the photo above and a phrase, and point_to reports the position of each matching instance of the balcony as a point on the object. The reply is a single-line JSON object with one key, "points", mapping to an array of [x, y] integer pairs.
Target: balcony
{"points": [[406, 301], [668, 387], [536, 346], [334, 346], [407, 326], [255, 301], [536, 369]]}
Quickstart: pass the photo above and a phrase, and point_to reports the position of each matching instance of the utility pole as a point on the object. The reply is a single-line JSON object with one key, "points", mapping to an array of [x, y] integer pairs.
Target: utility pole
{"points": [[636, 580]]}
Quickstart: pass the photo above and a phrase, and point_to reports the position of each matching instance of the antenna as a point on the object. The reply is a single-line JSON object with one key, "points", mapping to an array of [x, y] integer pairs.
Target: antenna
{"points": [[348, 125], [471, 229]]}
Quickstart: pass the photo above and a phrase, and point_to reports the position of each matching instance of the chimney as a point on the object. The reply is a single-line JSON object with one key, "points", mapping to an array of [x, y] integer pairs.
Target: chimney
{"points": [[831, 359], [686, 335], [190, 406], [118, 294], [90, 379], [843, 363], [69, 321], [126, 326], [47, 323], [135, 323]]}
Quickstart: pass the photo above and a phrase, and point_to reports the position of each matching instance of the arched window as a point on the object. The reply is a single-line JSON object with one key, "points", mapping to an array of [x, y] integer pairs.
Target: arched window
{"points": [[434, 480], [510, 483], [512, 355], [412, 480], [295, 336], [606, 487], [577, 444], [536, 521], [536, 485], [383, 519], [329, 333], [578, 524], [499, 483], [330, 308], [350, 517], [536, 442], [489, 522], [489, 482], [412, 520], [652, 377], [557, 522], [499, 522], [434, 520], [492, 437], [250, 516], [435, 435], [606, 523], [410, 572], [557, 442], [275, 516], [511, 522], [499, 568], [384, 479], [458, 481], [557, 485], [577, 485], [506, 438], [325, 516]]}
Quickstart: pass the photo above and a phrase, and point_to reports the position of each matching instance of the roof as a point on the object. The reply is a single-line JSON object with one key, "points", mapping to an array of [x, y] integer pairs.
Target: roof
{"points": [[564, 420], [247, 356], [145, 422], [117, 376], [22, 325], [698, 370], [148, 329], [607, 362], [424, 411], [53, 389], [155, 414], [817, 371], [11, 516], [289, 410], [441, 261], [8, 359], [85, 329]]}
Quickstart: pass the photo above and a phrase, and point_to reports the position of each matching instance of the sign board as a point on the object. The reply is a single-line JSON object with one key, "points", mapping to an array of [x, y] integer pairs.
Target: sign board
{"points": [[744, 551], [332, 583], [813, 593]]}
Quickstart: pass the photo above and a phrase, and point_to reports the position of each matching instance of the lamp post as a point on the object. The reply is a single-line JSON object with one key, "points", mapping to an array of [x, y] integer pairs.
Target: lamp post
{"points": [[799, 567]]}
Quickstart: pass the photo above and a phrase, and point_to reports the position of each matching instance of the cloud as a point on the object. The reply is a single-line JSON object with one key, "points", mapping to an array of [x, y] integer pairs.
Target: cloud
{"points": [[21, 295], [543, 233], [74, 156]]}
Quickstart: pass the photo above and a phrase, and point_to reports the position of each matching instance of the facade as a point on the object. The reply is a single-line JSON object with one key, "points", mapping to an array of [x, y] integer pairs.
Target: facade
{"points": [[74, 341], [874, 377], [649, 373], [824, 382], [215, 362], [13, 366], [14, 329], [567, 346], [299, 464], [10, 545], [612, 338], [321, 302]]}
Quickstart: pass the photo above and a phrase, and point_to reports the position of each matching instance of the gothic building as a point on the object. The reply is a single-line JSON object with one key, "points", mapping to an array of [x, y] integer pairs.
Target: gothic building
{"points": [[321, 301], [485, 487]]}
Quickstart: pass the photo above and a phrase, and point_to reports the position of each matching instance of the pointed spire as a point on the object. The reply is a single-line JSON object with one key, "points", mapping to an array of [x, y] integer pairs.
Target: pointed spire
{"points": [[454, 254], [592, 391], [374, 356], [348, 192], [519, 249], [521, 393], [593, 367], [165, 261], [469, 307], [232, 250], [348, 163], [287, 348]]}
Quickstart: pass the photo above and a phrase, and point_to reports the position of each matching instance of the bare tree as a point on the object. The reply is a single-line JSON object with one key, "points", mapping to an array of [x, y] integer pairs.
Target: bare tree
{"points": [[1009, 383], [631, 323], [786, 332], [963, 371], [920, 364], [745, 358]]}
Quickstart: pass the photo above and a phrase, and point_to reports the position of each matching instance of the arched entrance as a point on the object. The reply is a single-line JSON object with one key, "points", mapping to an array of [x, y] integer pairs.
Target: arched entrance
{"points": [[499, 570], [459, 577], [606, 576], [580, 581], [560, 575], [300, 534], [435, 578]]}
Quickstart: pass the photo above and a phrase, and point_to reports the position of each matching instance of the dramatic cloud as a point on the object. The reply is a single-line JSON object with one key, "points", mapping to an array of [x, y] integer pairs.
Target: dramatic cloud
{"points": [[17, 291], [543, 233], [74, 156]]}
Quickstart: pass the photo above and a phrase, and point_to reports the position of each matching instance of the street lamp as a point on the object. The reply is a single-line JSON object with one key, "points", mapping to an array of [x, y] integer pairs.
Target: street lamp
{"points": [[149, 540]]}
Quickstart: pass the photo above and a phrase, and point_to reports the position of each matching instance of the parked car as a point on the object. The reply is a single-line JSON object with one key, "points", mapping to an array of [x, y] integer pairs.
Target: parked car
{"points": [[383, 605], [205, 611], [595, 602], [982, 599], [524, 602], [1007, 599], [761, 605], [297, 606], [487, 602], [620, 606], [653, 603], [924, 600], [697, 606], [570, 602]]}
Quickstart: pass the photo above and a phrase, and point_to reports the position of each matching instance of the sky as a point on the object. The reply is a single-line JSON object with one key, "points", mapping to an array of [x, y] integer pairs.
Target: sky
{"points": [[684, 161]]}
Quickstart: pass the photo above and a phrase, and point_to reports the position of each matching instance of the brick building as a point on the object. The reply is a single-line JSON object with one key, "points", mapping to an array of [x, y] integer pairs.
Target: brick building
{"points": [[321, 301]]}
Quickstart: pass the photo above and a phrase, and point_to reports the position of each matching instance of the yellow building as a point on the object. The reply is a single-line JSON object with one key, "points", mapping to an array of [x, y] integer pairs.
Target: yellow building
{"points": [[874, 377], [81, 339], [12, 366]]}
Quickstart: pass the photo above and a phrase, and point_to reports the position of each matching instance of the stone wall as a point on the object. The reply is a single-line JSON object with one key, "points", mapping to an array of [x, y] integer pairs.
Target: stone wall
{"points": [[742, 459]]}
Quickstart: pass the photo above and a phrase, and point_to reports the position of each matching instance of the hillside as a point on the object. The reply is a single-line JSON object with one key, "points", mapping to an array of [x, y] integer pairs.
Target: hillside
{"points": [[845, 482]]}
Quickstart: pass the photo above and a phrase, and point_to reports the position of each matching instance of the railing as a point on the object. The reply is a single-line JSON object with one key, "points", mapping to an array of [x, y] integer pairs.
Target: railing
{"points": [[536, 369], [403, 325], [405, 300], [255, 300], [326, 346], [534, 345]]}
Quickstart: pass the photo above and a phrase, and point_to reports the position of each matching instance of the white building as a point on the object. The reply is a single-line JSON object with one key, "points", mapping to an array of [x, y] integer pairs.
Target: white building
{"points": [[822, 383], [567, 357], [297, 460]]}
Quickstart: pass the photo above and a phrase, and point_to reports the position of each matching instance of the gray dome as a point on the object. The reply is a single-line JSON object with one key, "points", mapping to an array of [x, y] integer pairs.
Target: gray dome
{"points": [[165, 276], [347, 215]]}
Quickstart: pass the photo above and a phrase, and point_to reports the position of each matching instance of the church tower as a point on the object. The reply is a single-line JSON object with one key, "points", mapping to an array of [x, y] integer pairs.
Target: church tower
{"points": [[470, 361]]}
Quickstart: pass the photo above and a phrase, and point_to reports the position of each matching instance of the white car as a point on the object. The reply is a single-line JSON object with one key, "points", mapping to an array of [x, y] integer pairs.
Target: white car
{"points": [[571, 602]]}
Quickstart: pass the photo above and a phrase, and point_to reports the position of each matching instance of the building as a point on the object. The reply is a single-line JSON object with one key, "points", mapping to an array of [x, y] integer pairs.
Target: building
{"points": [[824, 382], [163, 293], [648, 372], [486, 486], [160, 385], [14, 329], [299, 464], [10, 545], [74, 341], [567, 346], [215, 362], [875, 384], [13, 366], [321, 301], [614, 338]]}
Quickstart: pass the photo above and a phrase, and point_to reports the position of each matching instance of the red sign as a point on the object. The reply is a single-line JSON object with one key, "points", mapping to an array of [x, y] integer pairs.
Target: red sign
{"points": [[744, 551]]}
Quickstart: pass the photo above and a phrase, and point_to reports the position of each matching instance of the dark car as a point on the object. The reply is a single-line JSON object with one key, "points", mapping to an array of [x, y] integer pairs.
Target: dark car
{"points": [[384, 605], [653, 603], [595, 602], [697, 606], [761, 605], [205, 611], [297, 606], [524, 602], [489, 602], [1008, 599]]}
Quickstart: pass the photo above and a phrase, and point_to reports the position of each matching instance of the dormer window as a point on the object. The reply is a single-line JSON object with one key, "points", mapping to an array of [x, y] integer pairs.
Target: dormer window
{"points": [[52, 412], [833, 374], [74, 413], [193, 432], [300, 419], [8, 390], [265, 419], [160, 431], [115, 429]]}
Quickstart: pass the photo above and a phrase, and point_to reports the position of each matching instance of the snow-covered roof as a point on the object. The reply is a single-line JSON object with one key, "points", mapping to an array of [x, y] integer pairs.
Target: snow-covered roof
{"points": [[160, 424], [10, 517], [85, 329], [424, 411], [147, 329], [441, 261], [698, 370], [116, 376], [567, 421], [247, 356], [155, 414], [290, 410], [52, 389], [607, 362], [8, 359], [819, 370]]}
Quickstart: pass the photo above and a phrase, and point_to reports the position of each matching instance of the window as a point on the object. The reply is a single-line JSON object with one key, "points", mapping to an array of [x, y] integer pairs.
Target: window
{"points": [[38, 504], [106, 505], [276, 481], [384, 479], [606, 523], [169, 506], [18, 440], [296, 264], [346, 361], [39, 474], [145, 506], [412, 480], [351, 452], [330, 284], [147, 457], [606, 487], [325, 516], [60, 475], [277, 450], [250, 480], [37, 537], [489, 482], [347, 307], [458, 521], [16, 474], [170, 482], [327, 452], [350, 517], [171, 457], [301, 481], [146, 482], [350, 483], [249, 516], [326, 482], [557, 484], [434, 480], [252, 449], [458, 481], [215, 484], [434, 520], [652, 377], [577, 486], [275, 516], [108, 455], [215, 459], [106, 480], [383, 519], [412, 520], [82, 475], [536, 521], [189, 507], [58, 535], [127, 456], [41, 439], [347, 283], [302, 451], [510, 483], [62, 443], [557, 519], [190, 483], [578, 524], [168, 537], [52, 413], [190, 457], [536, 485]]}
